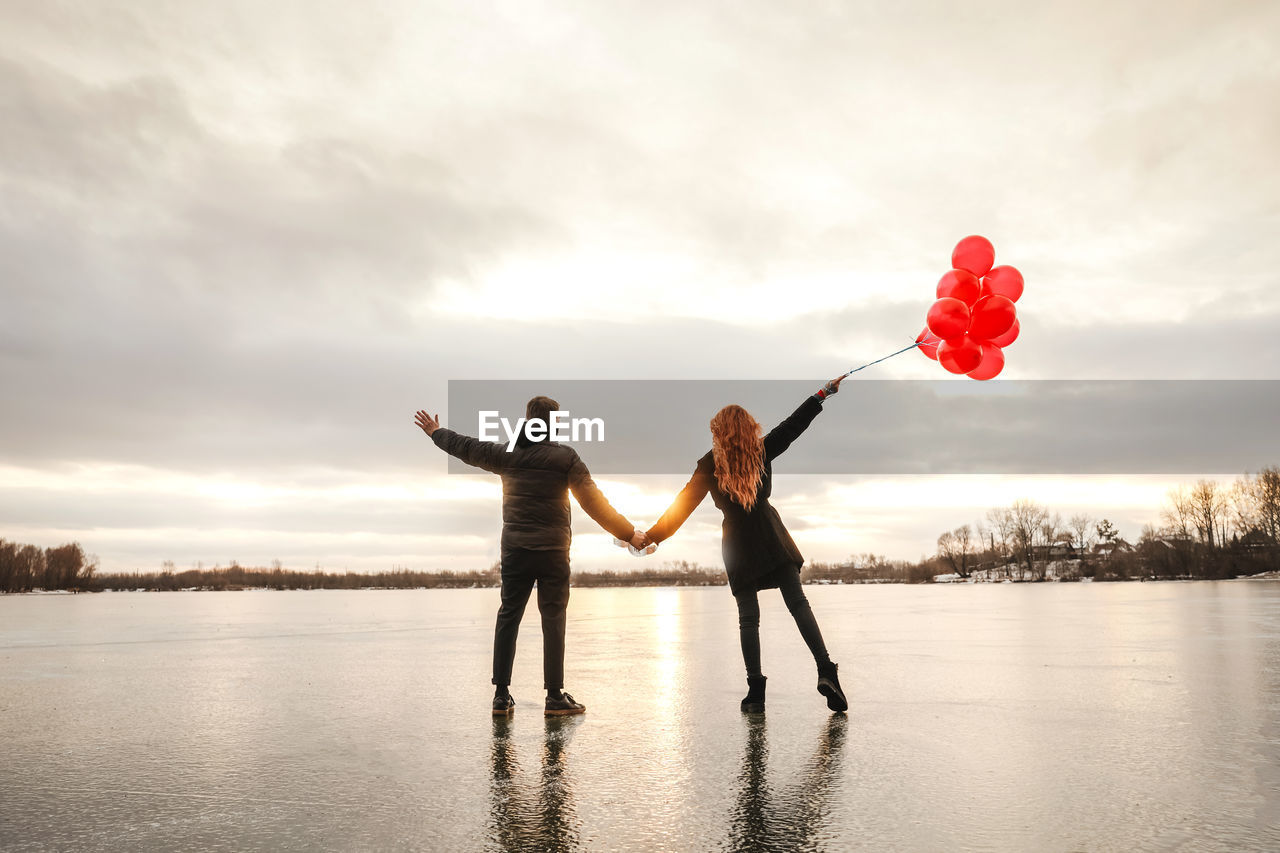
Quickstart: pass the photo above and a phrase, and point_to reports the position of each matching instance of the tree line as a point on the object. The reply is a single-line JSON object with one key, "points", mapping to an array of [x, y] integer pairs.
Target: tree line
{"points": [[869, 568], [27, 567], [237, 577], [24, 568], [1208, 530]]}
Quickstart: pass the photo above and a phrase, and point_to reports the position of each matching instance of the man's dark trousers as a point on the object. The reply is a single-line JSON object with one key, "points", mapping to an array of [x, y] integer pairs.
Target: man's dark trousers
{"points": [[520, 570]]}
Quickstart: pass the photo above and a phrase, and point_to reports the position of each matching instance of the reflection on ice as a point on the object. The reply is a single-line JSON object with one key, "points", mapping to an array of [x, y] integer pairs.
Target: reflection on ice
{"points": [[769, 817], [533, 810]]}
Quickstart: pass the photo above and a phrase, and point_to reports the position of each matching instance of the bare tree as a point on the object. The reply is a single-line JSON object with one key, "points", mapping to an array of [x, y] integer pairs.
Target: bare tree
{"points": [[1051, 534], [947, 551], [1026, 519], [964, 539], [8, 562], [1242, 507], [1265, 488], [1001, 521], [956, 548], [1081, 526], [29, 567], [985, 539], [1208, 508], [1177, 513], [63, 566]]}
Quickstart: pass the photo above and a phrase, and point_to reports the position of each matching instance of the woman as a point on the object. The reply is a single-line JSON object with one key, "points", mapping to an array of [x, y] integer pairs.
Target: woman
{"points": [[758, 551]]}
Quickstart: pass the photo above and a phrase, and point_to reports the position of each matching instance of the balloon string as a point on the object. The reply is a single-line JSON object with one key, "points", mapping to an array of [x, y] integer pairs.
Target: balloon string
{"points": [[889, 356]]}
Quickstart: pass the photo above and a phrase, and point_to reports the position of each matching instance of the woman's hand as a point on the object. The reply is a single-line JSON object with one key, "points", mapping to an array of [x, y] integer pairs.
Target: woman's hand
{"points": [[833, 386]]}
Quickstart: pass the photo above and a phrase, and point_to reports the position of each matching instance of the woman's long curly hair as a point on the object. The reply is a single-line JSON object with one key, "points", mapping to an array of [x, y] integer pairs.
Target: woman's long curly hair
{"points": [[737, 445]]}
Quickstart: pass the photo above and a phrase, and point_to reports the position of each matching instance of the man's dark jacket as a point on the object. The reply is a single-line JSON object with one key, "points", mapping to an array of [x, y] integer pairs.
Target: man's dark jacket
{"points": [[756, 545], [536, 480]]}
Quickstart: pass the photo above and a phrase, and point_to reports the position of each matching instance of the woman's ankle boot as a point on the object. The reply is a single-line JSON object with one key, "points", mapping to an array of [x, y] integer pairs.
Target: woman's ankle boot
{"points": [[753, 702], [829, 686]]}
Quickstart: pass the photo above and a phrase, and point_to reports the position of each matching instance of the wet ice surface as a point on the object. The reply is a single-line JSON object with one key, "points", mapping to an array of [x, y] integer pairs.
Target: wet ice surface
{"points": [[1045, 717]]}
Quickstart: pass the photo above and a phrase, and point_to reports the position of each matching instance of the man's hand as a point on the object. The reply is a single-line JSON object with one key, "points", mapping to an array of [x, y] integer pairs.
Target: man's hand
{"points": [[639, 544], [833, 386], [428, 423]]}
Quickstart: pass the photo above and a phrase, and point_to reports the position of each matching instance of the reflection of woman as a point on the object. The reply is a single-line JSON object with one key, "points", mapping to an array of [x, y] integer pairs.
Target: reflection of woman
{"points": [[758, 552], [525, 819], [794, 817]]}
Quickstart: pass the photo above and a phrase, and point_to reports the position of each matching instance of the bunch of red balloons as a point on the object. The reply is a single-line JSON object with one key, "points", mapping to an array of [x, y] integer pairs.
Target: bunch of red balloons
{"points": [[974, 318]]}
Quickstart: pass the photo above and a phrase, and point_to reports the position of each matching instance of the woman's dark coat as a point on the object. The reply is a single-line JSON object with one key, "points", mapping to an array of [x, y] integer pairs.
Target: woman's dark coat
{"points": [[756, 545]]}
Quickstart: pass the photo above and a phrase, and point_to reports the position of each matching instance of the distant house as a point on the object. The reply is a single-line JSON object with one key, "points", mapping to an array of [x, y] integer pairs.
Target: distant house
{"points": [[1256, 540], [1106, 550], [1056, 551]]}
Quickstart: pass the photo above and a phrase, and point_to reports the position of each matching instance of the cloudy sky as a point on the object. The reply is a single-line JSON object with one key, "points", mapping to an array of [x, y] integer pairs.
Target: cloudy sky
{"points": [[241, 243]]}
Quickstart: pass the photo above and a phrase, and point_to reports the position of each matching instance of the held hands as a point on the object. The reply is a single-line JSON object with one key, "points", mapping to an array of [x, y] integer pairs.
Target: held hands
{"points": [[428, 423], [639, 546]]}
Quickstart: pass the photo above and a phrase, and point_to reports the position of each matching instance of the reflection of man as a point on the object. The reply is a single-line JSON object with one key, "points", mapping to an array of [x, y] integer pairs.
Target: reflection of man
{"points": [[537, 477], [794, 818], [524, 819]]}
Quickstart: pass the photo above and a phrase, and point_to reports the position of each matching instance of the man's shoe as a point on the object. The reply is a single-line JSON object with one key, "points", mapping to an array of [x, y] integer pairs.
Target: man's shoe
{"points": [[503, 706], [829, 686], [753, 702], [564, 706]]}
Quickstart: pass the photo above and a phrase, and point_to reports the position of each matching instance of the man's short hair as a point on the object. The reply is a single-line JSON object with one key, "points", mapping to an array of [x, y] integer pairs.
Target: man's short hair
{"points": [[540, 409]]}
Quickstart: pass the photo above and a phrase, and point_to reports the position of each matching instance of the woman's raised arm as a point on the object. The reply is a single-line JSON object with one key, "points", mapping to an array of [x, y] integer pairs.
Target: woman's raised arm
{"points": [[781, 436]]}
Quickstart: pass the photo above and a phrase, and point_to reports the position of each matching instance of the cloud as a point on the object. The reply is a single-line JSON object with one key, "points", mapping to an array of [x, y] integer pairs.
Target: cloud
{"points": [[252, 241]]}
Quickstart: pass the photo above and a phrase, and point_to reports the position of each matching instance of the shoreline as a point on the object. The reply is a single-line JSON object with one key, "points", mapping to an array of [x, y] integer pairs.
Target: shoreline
{"points": [[1265, 576]]}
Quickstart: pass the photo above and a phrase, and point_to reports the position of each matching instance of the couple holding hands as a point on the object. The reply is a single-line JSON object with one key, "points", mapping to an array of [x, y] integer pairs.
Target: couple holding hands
{"points": [[537, 477]]}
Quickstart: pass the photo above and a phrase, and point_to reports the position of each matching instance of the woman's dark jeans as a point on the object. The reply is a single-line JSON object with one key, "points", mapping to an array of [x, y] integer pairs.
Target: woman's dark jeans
{"points": [[749, 621]]}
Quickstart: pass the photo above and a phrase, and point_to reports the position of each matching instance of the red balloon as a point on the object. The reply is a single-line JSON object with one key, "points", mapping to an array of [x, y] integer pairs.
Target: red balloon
{"points": [[948, 318], [975, 254], [1003, 281], [960, 356], [992, 317], [1008, 337], [991, 365], [928, 343], [962, 285]]}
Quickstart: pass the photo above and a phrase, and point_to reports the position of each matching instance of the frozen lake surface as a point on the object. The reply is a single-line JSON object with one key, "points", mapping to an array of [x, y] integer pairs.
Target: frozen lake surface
{"points": [[1006, 717]]}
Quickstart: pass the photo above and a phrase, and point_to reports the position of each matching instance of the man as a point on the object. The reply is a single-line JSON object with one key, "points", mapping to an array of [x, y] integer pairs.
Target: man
{"points": [[537, 477]]}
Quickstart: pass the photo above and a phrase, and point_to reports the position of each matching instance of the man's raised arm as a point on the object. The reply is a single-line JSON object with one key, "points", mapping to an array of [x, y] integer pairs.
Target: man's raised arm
{"points": [[488, 455]]}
